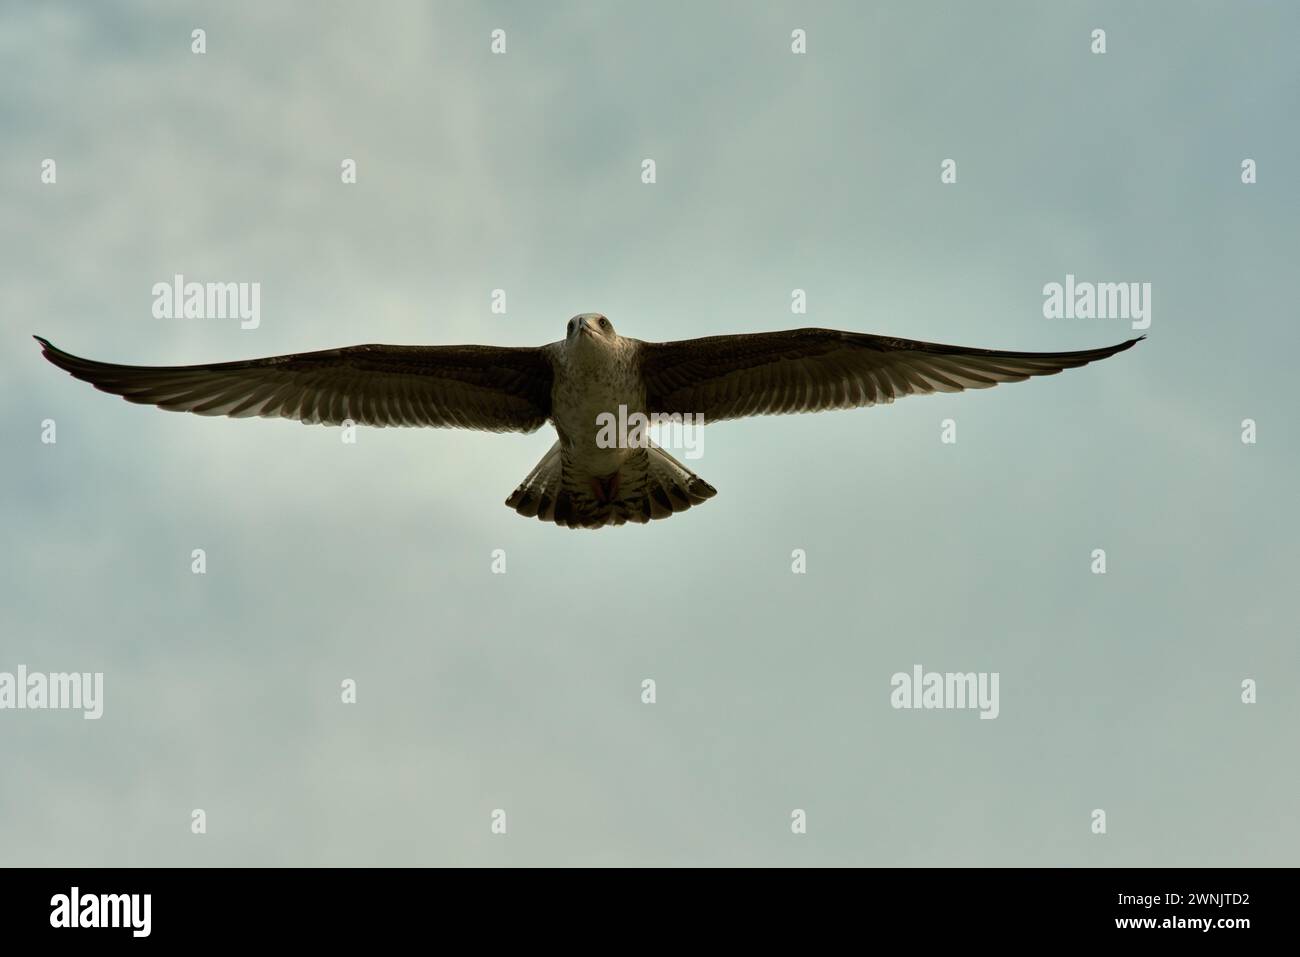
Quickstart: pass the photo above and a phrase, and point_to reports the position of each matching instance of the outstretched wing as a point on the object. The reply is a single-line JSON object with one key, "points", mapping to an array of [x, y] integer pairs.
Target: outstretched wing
{"points": [[469, 387], [810, 370]]}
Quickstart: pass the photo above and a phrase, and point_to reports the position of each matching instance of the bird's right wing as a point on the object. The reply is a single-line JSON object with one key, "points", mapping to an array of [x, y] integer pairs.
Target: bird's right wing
{"points": [[470, 387]]}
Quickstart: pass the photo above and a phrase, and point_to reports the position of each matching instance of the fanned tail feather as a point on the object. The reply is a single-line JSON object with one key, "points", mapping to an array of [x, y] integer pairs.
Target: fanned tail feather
{"points": [[650, 485]]}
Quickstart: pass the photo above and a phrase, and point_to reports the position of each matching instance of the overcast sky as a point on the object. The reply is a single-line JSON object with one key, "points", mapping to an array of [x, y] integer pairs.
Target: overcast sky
{"points": [[523, 692]]}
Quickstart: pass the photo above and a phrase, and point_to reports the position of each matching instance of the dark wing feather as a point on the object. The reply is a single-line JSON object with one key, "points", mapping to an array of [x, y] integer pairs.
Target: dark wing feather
{"points": [[810, 370], [469, 387]]}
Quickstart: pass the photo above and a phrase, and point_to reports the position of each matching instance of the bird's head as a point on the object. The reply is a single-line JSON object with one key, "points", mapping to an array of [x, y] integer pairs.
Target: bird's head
{"points": [[591, 328]]}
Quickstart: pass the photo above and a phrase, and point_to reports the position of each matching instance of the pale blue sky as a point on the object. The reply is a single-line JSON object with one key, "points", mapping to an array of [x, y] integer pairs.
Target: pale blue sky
{"points": [[522, 691]]}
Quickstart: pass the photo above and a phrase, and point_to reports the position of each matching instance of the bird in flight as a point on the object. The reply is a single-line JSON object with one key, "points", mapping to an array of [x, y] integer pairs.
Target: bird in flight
{"points": [[583, 481]]}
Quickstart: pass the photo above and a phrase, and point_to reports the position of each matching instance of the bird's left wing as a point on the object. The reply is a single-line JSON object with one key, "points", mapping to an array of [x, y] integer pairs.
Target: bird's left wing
{"points": [[810, 370], [470, 387]]}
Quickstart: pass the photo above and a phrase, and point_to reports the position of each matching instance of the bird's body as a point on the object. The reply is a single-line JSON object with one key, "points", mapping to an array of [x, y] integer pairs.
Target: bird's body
{"points": [[592, 374], [584, 481]]}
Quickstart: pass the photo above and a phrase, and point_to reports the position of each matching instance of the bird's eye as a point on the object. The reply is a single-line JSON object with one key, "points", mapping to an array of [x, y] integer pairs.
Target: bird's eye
{"points": [[604, 323]]}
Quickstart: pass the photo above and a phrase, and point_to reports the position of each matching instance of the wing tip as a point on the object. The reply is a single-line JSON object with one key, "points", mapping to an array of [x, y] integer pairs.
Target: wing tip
{"points": [[55, 355], [50, 351], [1105, 352]]}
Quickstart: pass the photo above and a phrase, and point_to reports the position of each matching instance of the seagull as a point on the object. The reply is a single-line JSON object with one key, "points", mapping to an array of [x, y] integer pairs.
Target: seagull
{"points": [[582, 481]]}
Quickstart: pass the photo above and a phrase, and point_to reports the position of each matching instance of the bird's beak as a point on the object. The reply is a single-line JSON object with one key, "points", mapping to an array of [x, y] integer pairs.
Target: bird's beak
{"points": [[585, 326]]}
